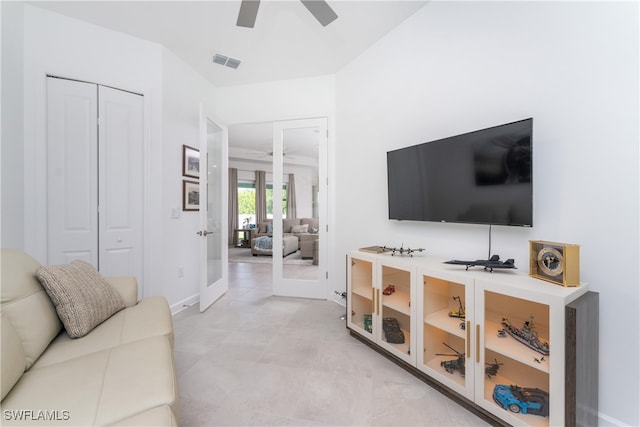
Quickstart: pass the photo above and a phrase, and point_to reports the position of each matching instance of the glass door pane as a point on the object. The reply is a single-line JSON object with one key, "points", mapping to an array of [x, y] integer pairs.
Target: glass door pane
{"points": [[396, 309], [299, 208], [301, 229], [213, 193], [214, 207], [517, 349], [446, 328]]}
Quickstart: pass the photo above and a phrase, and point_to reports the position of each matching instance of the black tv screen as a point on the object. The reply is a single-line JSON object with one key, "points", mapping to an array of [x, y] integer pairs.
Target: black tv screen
{"points": [[481, 177]]}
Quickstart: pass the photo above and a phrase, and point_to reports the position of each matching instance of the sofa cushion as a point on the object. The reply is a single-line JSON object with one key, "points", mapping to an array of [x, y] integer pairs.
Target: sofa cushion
{"points": [[314, 224], [26, 304], [288, 223], [150, 317], [127, 287], [13, 357], [301, 228], [262, 227], [308, 237], [82, 297], [101, 388]]}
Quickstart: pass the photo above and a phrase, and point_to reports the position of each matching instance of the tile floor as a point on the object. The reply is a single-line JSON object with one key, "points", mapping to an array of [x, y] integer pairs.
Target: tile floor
{"points": [[253, 359]]}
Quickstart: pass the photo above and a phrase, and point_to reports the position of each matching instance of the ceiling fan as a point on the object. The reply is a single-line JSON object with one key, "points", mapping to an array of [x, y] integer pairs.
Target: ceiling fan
{"points": [[266, 153], [320, 9], [285, 153]]}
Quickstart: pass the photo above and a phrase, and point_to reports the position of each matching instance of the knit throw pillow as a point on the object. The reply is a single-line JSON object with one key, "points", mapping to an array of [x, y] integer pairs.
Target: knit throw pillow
{"points": [[82, 297]]}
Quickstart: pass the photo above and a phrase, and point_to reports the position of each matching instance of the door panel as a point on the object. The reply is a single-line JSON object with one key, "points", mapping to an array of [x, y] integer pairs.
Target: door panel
{"points": [[72, 186], [121, 136], [213, 210], [94, 176], [303, 273]]}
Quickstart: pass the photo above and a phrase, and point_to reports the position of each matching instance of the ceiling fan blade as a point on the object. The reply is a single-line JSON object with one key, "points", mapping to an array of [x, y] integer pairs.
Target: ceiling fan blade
{"points": [[248, 13], [321, 10]]}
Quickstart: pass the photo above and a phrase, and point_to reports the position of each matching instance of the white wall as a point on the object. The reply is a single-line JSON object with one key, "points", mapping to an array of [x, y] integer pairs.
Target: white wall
{"points": [[12, 222], [460, 66], [280, 100], [182, 91]]}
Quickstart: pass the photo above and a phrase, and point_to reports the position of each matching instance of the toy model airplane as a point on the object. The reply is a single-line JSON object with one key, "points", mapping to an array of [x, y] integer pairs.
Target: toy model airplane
{"points": [[490, 264], [403, 251]]}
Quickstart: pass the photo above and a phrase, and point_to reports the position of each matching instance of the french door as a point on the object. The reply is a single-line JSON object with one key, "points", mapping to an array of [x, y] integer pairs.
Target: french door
{"points": [[214, 189], [94, 176], [306, 274]]}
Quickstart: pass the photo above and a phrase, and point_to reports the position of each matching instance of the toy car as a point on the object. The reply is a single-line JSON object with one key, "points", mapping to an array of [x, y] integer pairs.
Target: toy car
{"points": [[520, 399], [392, 332], [389, 290]]}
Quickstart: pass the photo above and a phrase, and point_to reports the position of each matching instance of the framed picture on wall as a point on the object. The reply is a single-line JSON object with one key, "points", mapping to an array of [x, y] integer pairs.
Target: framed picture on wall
{"points": [[190, 162], [190, 195]]}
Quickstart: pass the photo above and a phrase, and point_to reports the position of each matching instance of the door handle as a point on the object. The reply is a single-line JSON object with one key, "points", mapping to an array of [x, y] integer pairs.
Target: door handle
{"points": [[477, 343], [204, 233], [468, 328]]}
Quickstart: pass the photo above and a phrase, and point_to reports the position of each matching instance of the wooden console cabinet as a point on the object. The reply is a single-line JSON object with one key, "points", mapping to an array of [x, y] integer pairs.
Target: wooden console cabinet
{"points": [[465, 352]]}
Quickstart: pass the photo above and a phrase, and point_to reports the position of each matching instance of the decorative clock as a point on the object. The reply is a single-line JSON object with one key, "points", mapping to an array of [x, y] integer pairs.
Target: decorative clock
{"points": [[557, 263]]}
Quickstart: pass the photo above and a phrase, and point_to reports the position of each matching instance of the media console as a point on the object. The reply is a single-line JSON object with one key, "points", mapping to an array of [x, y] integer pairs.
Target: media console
{"points": [[512, 349]]}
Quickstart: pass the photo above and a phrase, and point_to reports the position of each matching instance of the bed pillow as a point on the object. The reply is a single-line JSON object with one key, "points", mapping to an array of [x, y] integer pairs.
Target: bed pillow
{"points": [[82, 297]]}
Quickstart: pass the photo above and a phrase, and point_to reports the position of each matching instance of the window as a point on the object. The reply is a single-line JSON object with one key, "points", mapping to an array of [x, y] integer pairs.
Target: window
{"points": [[247, 202]]}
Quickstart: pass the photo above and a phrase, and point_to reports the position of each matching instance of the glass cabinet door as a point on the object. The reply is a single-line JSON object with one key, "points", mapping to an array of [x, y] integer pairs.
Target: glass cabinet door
{"points": [[395, 293], [516, 356], [447, 332], [361, 298]]}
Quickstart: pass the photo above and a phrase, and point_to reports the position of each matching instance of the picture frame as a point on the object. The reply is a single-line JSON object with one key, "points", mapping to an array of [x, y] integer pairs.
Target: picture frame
{"points": [[190, 162], [190, 195]]}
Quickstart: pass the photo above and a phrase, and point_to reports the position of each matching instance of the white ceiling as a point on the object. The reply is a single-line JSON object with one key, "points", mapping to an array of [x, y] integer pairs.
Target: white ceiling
{"points": [[286, 42]]}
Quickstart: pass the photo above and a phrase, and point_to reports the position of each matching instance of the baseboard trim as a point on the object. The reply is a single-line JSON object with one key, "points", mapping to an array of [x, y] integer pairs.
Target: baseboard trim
{"points": [[184, 304], [606, 420]]}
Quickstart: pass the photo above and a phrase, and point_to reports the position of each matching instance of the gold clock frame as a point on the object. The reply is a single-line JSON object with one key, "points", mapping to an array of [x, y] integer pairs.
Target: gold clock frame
{"points": [[567, 273]]}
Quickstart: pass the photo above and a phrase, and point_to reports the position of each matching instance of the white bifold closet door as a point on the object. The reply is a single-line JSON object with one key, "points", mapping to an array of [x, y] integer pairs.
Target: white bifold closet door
{"points": [[95, 181]]}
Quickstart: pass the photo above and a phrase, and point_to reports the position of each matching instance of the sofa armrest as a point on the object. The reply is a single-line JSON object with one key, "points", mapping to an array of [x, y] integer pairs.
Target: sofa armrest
{"points": [[127, 287]]}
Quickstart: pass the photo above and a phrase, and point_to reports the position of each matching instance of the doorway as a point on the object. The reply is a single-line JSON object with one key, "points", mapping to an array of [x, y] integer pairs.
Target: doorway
{"points": [[292, 155]]}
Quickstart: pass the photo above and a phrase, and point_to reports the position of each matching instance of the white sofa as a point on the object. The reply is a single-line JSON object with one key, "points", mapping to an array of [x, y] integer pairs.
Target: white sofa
{"points": [[122, 372], [305, 237]]}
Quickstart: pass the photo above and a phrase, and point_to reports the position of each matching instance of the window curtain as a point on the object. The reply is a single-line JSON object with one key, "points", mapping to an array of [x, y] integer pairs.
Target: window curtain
{"points": [[233, 204], [291, 198], [261, 196]]}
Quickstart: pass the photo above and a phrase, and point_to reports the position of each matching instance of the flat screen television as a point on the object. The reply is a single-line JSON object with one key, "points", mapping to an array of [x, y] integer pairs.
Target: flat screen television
{"points": [[481, 177]]}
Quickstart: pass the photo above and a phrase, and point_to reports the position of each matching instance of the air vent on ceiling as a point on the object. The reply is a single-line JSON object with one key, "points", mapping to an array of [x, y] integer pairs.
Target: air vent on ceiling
{"points": [[233, 63], [225, 60]]}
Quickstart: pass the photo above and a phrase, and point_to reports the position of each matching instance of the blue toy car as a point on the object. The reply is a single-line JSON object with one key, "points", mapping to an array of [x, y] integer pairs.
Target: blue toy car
{"points": [[519, 399]]}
